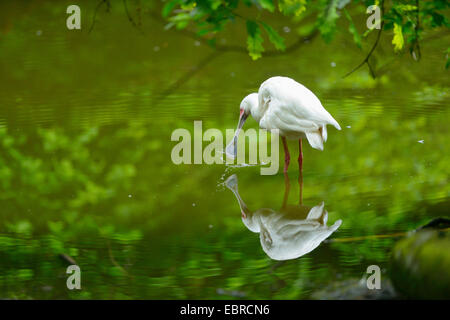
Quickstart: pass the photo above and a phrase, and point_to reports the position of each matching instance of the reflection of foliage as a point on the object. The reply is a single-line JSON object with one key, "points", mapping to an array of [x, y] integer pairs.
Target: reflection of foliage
{"points": [[67, 192]]}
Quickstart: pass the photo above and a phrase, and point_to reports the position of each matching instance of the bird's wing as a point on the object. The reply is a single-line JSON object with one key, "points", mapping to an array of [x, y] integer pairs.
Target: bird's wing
{"points": [[299, 101], [277, 117], [282, 115]]}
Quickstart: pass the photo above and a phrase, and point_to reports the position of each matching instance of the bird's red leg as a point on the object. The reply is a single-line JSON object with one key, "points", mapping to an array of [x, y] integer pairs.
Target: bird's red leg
{"points": [[300, 173], [287, 156], [300, 156]]}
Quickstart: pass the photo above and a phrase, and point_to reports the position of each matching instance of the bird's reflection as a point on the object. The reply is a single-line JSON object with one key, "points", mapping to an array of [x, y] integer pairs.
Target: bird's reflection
{"points": [[290, 232]]}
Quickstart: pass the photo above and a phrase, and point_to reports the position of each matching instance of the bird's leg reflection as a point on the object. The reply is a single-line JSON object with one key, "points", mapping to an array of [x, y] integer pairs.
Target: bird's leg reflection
{"points": [[300, 171], [300, 186], [287, 187], [300, 156]]}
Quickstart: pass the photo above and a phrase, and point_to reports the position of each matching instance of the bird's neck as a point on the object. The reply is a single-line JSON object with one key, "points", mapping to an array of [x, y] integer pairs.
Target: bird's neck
{"points": [[257, 112]]}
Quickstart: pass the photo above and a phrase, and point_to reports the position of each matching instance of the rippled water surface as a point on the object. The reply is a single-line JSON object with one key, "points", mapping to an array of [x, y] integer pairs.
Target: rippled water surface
{"points": [[86, 171]]}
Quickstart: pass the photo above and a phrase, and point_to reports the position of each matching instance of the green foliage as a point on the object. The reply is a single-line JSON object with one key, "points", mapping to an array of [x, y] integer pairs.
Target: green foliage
{"points": [[352, 29], [267, 4], [326, 22], [398, 41], [407, 18], [292, 7], [274, 37], [254, 40], [155, 244]]}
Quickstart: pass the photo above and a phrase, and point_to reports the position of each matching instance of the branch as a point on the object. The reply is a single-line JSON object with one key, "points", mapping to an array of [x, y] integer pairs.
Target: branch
{"points": [[155, 16], [114, 262], [108, 5], [188, 75], [366, 60], [235, 48], [130, 18], [294, 46]]}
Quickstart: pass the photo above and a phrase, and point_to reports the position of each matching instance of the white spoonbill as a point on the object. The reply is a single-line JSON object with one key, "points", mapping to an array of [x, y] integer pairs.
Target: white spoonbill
{"points": [[284, 104], [288, 233]]}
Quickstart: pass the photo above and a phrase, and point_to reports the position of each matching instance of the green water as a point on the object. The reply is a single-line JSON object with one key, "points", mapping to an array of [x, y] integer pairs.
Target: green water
{"points": [[85, 167]]}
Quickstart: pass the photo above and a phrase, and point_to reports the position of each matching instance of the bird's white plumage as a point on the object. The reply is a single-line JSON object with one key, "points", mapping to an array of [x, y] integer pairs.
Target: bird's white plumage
{"points": [[284, 104], [289, 233]]}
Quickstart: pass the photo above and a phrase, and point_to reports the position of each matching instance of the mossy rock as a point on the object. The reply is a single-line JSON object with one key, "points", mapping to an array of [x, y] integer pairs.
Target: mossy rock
{"points": [[420, 265]]}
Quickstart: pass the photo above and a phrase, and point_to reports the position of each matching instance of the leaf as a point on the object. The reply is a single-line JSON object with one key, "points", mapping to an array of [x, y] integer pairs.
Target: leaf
{"points": [[352, 30], [295, 7], [405, 7], [181, 20], [267, 4], [327, 20], [398, 40], [215, 4], [254, 40], [167, 9], [274, 37]]}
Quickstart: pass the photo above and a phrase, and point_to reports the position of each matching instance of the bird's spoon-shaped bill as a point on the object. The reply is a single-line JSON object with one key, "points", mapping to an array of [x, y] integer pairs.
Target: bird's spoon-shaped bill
{"points": [[231, 149]]}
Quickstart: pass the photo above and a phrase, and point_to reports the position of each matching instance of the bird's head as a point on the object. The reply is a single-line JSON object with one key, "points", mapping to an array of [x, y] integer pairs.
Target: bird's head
{"points": [[248, 105]]}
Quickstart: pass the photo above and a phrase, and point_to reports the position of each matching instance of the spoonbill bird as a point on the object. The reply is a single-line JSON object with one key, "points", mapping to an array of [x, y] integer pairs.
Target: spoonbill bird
{"points": [[284, 104], [287, 233]]}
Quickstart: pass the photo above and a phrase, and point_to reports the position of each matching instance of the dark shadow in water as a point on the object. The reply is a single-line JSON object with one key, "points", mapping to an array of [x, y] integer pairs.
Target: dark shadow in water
{"points": [[287, 233]]}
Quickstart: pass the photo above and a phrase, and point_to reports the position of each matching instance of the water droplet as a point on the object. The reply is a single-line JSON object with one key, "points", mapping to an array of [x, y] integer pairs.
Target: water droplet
{"points": [[333, 64]]}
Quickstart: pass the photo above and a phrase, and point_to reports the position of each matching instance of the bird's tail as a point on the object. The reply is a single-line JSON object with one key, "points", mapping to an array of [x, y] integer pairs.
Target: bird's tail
{"points": [[315, 139], [335, 124]]}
